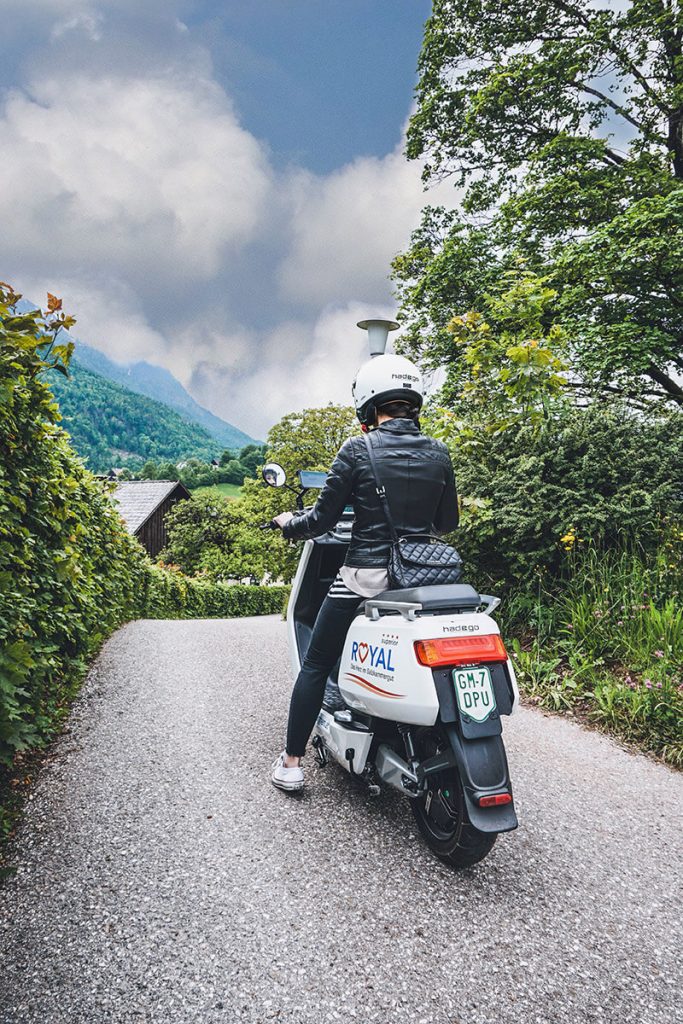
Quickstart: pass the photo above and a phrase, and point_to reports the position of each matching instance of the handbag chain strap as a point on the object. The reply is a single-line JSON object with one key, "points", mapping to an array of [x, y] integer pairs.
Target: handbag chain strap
{"points": [[379, 487]]}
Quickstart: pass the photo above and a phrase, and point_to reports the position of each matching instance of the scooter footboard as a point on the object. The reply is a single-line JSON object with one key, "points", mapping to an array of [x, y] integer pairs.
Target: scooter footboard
{"points": [[483, 768]]}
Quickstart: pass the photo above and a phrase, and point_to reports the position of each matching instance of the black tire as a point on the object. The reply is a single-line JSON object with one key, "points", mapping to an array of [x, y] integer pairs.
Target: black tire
{"points": [[440, 811]]}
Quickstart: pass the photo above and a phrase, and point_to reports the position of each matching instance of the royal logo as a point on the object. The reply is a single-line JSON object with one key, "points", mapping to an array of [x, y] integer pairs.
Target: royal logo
{"points": [[380, 657]]}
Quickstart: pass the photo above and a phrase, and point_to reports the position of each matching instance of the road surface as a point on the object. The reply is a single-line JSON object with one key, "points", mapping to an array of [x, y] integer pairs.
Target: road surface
{"points": [[163, 879]]}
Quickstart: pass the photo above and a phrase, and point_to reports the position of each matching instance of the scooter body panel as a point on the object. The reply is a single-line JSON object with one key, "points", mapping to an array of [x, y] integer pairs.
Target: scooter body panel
{"points": [[298, 583], [379, 673], [350, 747]]}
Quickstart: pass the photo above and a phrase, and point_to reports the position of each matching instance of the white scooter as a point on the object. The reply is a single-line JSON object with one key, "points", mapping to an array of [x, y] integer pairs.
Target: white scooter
{"points": [[417, 697]]}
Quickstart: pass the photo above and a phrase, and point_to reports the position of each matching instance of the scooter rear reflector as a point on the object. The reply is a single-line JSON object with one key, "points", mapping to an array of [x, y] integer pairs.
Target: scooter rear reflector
{"points": [[495, 800], [460, 650]]}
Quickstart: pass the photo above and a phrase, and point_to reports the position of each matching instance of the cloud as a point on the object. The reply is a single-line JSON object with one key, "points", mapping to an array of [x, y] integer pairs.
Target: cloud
{"points": [[160, 220], [141, 176], [90, 22], [299, 364], [109, 316], [347, 227]]}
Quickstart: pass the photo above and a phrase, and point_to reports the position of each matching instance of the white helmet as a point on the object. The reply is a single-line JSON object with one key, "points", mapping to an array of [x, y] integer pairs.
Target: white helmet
{"points": [[385, 379]]}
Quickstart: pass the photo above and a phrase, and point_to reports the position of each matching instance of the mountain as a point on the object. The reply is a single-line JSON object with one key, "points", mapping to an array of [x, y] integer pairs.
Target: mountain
{"points": [[160, 384], [113, 426]]}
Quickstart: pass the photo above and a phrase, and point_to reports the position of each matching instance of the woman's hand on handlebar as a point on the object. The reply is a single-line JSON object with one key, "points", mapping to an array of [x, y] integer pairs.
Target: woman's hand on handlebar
{"points": [[278, 522], [283, 519]]}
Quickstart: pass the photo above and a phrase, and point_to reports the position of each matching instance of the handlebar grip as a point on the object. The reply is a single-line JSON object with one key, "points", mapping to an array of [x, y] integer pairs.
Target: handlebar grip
{"points": [[268, 526]]}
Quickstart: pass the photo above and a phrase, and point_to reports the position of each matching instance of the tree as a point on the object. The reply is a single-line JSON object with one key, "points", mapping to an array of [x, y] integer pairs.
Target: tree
{"points": [[251, 457], [509, 370], [167, 471], [310, 439], [232, 472], [563, 125], [213, 535], [149, 471]]}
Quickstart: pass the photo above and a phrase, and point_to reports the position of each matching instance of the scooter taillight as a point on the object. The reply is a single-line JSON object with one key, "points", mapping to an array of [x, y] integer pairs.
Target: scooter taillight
{"points": [[495, 800], [460, 650]]}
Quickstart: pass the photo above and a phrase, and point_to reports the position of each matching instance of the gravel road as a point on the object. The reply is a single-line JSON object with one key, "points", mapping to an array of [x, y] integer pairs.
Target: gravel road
{"points": [[163, 879]]}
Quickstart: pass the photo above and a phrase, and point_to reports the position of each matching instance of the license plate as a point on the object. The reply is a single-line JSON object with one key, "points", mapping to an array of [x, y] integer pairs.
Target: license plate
{"points": [[474, 692]]}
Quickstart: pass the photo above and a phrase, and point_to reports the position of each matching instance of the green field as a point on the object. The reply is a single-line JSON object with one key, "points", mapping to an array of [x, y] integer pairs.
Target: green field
{"points": [[227, 490]]}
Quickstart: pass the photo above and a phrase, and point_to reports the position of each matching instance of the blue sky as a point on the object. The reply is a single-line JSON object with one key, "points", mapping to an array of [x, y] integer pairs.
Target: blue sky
{"points": [[322, 80], [215, 187]]}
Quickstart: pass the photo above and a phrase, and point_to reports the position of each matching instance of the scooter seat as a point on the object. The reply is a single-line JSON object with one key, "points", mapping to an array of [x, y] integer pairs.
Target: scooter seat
{"points": [[458, 596]]}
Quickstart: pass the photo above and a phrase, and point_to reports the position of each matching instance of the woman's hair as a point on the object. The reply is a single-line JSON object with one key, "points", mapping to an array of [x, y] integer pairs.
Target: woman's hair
{"points": [[400, 410]]}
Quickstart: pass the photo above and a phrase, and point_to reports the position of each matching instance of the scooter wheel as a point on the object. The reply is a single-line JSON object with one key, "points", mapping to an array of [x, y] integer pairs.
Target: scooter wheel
{"points": [[440, 812]]}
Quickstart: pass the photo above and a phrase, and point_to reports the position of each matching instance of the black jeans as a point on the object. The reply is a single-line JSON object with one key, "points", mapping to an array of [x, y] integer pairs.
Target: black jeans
{"points": [[327, 642]]}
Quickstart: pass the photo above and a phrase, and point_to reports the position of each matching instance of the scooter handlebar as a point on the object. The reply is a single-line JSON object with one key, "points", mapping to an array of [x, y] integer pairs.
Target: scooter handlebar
{"points": [[273, 525]]}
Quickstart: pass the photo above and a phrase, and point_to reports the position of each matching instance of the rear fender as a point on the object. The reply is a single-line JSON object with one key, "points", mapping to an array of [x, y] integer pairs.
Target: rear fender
{"points": [[483, 768], [479, 755]]}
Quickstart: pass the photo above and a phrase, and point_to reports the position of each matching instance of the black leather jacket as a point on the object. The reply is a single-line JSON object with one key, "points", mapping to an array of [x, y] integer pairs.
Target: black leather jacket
{"points": [[417, 474]]}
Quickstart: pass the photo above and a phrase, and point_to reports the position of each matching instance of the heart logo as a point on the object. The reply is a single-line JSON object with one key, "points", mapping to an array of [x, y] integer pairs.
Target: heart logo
{"points": [[362, 652]]}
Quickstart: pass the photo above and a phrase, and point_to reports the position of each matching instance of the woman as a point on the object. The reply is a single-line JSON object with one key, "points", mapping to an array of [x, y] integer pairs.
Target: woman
{"points": [[417, 475]]}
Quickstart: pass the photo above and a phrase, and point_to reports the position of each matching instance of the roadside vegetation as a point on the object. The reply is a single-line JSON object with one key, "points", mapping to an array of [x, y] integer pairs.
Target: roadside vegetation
{"points": [[220, 539], [69, 572], [607, 644], [551, 296]]}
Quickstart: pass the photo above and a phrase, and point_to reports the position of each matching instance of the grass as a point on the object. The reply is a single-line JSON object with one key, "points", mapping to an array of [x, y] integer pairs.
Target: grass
{"points": [[227, 490], [608, 645]]}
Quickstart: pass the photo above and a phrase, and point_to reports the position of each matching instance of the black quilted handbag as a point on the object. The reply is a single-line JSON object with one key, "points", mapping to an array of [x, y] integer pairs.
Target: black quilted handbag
{"points": [[417, 560]]}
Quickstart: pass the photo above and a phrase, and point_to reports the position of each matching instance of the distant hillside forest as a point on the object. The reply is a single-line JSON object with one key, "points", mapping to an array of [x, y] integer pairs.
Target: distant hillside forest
{"points": [[112, 426]]}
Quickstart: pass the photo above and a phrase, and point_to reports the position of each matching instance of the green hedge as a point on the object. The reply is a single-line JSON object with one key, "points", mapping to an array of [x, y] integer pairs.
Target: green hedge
{"points": [[173, 595], [69, 572]]}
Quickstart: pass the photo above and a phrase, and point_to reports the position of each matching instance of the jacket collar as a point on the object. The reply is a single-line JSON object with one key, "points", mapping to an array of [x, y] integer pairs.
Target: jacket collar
{"points": [[399, 426]]}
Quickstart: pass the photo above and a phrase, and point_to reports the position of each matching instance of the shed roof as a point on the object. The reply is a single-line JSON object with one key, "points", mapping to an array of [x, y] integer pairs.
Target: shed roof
{"points": [[138, 499]]}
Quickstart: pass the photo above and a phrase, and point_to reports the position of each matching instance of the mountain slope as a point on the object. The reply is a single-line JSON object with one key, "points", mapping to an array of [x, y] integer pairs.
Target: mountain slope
{"points": [[159, 384], [113, 426]]}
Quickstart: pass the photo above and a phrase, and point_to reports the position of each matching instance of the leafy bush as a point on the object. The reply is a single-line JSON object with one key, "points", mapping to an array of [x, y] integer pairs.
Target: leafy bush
{"points": [[219, 538], [599, 474], [609, 643], [68, 572], [222, 539]]}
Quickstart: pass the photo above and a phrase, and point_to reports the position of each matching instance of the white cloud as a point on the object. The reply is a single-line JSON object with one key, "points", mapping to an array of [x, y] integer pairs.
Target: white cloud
{"points": [[109, 316], [137, 176], [89, 22], [300, 364], [252, 377], [347, 227]]}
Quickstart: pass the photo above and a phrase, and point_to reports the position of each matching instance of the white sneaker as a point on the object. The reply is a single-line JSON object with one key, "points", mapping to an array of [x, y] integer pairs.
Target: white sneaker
{"points": [[290, 779]]}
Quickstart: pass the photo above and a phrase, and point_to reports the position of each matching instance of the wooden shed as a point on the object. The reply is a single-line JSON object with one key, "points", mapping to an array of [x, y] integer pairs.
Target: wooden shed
{"points": [[143, 505]]}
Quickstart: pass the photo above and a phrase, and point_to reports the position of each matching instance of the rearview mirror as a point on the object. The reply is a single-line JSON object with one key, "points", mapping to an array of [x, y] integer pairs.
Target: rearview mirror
{"points": [[274, 475]]}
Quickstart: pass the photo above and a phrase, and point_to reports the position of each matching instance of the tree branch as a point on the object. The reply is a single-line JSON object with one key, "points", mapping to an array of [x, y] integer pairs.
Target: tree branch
{"points": [[667, 384], [620, 110], [622, 55], [614, 157], [610, 389]]}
